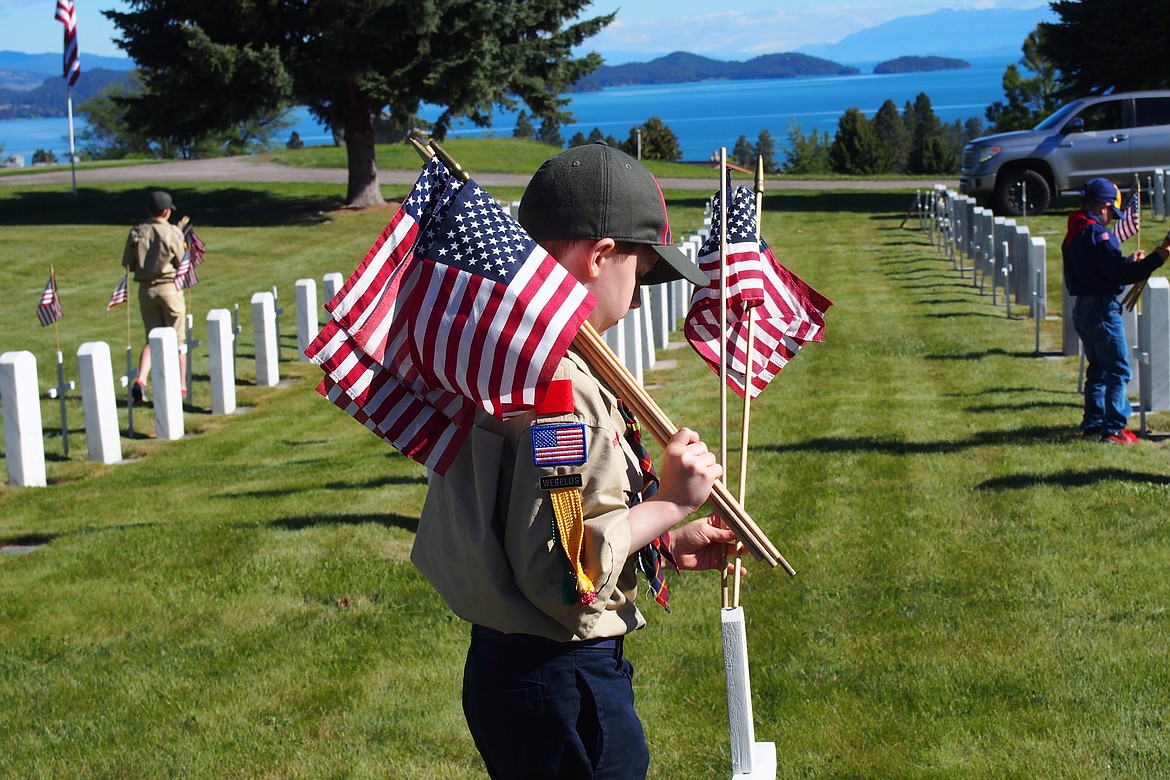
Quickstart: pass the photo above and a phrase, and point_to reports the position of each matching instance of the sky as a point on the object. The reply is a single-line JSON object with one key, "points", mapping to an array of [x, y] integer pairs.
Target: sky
{"points": [[745, 28]]}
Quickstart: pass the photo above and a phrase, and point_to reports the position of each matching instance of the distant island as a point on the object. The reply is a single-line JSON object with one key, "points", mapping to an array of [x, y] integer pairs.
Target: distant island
{"points": [[919, 65], [682, 67]]}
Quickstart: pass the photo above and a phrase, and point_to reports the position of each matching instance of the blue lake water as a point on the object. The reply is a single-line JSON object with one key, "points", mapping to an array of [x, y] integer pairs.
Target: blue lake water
{"points": [[704, 115]]}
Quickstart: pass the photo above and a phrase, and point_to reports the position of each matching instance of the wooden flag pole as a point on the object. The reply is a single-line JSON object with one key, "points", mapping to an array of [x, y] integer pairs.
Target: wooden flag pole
{"points": [[723, 195], [1135, 292], [749, 374], [611, 370]]}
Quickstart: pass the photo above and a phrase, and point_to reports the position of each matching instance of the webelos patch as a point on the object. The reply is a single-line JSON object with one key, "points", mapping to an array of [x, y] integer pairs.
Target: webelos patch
{"points": [[558, 445]]}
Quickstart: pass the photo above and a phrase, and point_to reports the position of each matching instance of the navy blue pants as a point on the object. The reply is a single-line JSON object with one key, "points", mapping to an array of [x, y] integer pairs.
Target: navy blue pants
{"points": [[543, 709]]}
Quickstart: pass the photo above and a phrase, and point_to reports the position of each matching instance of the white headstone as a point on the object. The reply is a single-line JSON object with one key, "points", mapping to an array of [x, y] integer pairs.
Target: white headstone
{"points": [[1038, 268], [749, 759], [264, 335], [330, 284], [631, 335], [222, 368], [646, 340], [1155, 341], [164, 378], [615, 337], [24, 445], [659, 314], [95, 372], [306, 292], [1129, 320]]}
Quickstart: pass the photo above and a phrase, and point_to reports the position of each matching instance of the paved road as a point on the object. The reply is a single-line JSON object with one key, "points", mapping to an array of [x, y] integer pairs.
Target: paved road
{"points": [[248, 169]]}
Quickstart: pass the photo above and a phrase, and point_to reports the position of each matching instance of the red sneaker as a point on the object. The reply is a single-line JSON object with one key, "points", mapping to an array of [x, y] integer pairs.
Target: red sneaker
{"points": [[1124, 436]]}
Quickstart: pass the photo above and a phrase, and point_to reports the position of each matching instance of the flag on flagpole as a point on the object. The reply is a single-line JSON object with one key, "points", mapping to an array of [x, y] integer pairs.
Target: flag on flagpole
{"points": [[454, 307], [788, 312], [1131, 218], [120, 294], [49, 308], [67, 15]]}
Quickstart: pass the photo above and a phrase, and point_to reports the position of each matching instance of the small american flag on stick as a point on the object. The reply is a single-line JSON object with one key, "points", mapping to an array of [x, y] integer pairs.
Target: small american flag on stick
{"points": [[788, 313], [120, 294], [49, 308], [1130, 223], [454, 307]]}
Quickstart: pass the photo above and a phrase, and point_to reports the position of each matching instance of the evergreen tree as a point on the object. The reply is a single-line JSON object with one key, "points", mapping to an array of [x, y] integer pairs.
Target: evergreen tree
{"points": [[658, 141], [806, 154], [889, 128], [855, 148], [294, 141], [207, 67], [929, 152], [578, 139], [595, 135], [46, 156], [550, 132], [1108, 45], [766, 148], [743, 153], [1028, 99], [524, 128]]}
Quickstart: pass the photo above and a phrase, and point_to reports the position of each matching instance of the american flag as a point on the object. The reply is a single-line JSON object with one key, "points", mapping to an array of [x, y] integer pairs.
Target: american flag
{"points": [[192, 258], [1130, 222], [49, 309], [120, 294], [67, 15], [788, 313], [453, 307], [558, 445]]}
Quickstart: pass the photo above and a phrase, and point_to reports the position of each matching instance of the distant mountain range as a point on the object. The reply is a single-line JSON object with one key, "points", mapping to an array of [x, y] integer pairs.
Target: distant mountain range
{"points": [[20, 71], [48, 99], [949, 33]]}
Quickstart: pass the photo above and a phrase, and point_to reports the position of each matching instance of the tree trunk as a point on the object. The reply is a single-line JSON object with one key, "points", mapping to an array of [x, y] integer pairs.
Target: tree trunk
{"points": [[364, 189]]}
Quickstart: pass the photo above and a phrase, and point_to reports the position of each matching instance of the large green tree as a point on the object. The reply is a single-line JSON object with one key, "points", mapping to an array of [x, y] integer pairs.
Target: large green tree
{"points": [[890, 130], [658, 142], [855, 147], [1028, 100], [1108, 45], [210, 64]]}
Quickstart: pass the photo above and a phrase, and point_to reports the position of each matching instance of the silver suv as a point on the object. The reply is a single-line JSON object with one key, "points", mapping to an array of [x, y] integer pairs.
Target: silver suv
{"points": [[1115, 136]]}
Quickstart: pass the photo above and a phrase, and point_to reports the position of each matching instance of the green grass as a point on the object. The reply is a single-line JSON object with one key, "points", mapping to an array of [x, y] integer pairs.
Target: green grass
{"points": [[979, 594]]}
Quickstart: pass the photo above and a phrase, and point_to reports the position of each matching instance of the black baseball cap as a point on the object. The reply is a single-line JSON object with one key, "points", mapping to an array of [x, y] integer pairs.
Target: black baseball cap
{"points": [[595, 191], [158, 201]]}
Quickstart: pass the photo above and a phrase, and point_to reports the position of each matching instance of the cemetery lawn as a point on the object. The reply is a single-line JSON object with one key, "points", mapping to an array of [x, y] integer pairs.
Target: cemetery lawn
{"points": [[980, 593]]}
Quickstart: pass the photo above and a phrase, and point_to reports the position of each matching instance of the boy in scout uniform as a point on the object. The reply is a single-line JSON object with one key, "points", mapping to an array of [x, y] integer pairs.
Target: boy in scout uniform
{"points": [[152, 255], [533, 533]]}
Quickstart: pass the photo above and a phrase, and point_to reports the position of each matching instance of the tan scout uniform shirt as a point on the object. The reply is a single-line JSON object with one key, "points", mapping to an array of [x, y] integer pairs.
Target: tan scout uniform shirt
{"points": [[153, 251], [485, 539]]}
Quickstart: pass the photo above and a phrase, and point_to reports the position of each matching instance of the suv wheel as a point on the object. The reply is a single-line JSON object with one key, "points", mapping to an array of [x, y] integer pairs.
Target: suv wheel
{"points": [[1011, 188]]}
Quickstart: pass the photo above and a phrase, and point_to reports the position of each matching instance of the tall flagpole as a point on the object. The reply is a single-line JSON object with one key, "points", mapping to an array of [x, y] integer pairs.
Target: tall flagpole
{"points": [[72, 155], [67, 15]]}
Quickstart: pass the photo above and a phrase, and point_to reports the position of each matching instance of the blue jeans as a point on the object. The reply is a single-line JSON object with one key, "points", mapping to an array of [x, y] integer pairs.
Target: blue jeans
{"points": [[1103, 336], [541, 709]]}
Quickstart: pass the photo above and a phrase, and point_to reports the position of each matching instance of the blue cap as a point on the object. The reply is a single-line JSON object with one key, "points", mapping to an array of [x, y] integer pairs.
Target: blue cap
{"points": [[1103, 191]]}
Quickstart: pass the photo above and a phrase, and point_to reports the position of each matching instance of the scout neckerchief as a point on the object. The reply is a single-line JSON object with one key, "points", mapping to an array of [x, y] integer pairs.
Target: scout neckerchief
{"points": [[563, 444], [649, 558]]}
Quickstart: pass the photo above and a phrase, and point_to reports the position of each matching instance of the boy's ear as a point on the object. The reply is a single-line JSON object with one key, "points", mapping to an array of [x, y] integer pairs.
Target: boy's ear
{"points": [[597, 255]]}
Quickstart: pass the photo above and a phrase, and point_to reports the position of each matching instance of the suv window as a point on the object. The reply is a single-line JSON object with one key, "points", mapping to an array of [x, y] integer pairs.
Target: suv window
{"points": [[1102, 116], [1152, 111]]}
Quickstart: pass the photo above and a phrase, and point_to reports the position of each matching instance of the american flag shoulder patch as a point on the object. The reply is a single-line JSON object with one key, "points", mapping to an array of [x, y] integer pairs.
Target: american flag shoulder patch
{"points": [[558, 445]]}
